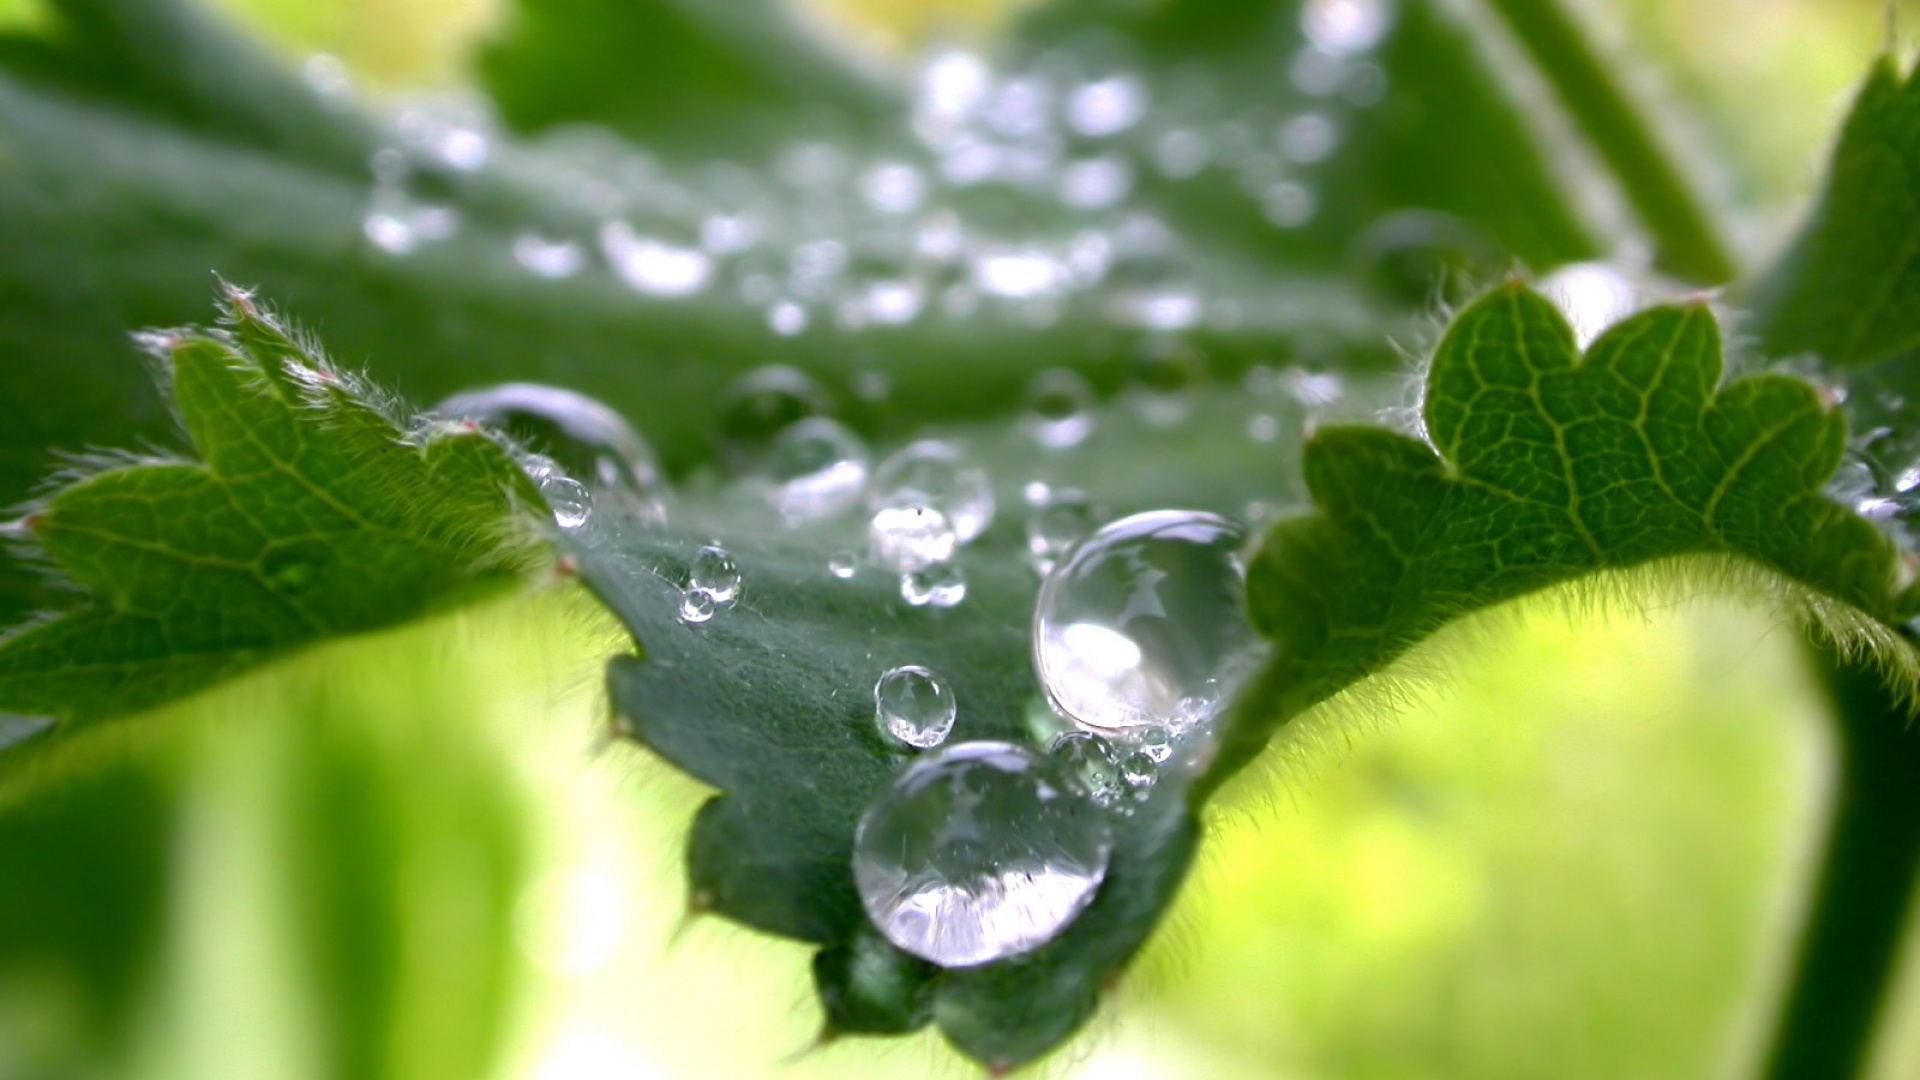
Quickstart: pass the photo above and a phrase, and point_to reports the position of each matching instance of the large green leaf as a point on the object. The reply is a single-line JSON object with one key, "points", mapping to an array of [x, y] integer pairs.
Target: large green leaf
{"points": [[1848, 289], [307, 511], [1544, 468]]}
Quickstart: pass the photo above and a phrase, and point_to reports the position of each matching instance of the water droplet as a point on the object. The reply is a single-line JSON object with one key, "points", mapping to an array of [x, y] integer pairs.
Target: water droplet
{"points": [[713, 571], [1018, 274], [786, 318], [1157, 743], [583, 436], [567, 498], [652, 266], [910, 537], [1144, 623], [1180, 154], [818, 469], [1061, 519], [1853, 481], [1345, 27], [843, 564], [1289, 204], [911, 704], [977, 852], [934, 473], [696, 606], [551, 259], [940, 585], [1593, 296], [1095, 183], [1091, 764], [1166, 372], [1139, 771], [893, 187], [1059, 408], [760, 405], [1309, 138], [1263, 428], [1107, 106]]}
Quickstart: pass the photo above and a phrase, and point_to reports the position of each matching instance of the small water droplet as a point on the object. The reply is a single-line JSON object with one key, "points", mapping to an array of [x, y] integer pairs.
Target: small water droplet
{"points": [[713, 571], [1309, 138], [1166, 373], [910, 537], [1289, 204], [1853, 481], [1107, 106], [567, 498], [1263, 428], [935, 473], [551, 259], [696, 606], [1144, 624], [1180, 154], [1059, 408], [1157, 743], [941, 585], [1139, 771], [1345, 27], [817, 470], [1091, 764], [652, 266], [977, 852], [912, 705], [760, 405], [1063, 518], [843, 564]]}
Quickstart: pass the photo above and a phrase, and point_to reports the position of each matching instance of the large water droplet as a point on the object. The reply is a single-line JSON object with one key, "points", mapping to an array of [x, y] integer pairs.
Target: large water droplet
{"points": [[1143, 625], [817, 469], [583, 436], [935, 474], [911, 537], [912, 704], [976, 852]]}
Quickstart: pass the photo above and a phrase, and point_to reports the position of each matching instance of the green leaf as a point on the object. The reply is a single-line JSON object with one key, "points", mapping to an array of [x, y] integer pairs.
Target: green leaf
{"points": [[1848, 289], [1546, 467], [307, 511]]}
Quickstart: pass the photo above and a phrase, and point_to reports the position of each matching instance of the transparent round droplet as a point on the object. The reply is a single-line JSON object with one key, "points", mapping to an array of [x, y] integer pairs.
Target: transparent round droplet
{"points": [[1144, 623], [1059, 408], [940, 585], [1167, 373], [1091, 764], [977, 852], [1056, 521], [1157, 744], [935, 473], [567, 498], [912, 705], [1139, 770], [760, 405], [1345, 27], [911, 537], [696, 606], [843, 564], [817, 469], [713, 571], [583, 436]]}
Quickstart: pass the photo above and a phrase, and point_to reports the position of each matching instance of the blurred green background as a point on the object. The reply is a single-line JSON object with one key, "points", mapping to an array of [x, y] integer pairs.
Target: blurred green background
{"points": [[1578, 854]]}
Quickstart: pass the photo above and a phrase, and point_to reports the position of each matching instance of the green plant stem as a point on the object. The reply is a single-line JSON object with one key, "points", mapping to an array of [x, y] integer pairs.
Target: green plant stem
{"points": [[1688, 244], [1850, 947]]}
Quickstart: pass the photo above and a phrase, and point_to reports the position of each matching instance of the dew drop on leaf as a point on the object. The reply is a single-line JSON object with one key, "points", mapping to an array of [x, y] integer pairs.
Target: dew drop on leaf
{"points": [[978, 852], [761, 404], [1144, 624], [910, 537], [913, 705], [1091, 764], [1057, 519], [713, 571], [696, 606], [941, 585], [567, 498], [1166, 374], [581, 435], [817, 469], [1059, 408], [935, 474]]}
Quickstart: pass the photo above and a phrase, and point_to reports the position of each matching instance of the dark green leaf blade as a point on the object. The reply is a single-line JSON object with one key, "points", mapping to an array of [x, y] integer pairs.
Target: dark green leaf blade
{"points": [[1546, 467], [1848, 289], [308, 513]]}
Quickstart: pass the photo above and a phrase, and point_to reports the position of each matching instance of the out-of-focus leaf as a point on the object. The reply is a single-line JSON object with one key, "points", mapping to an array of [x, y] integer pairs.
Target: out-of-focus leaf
{"points": [[1848, 289], [306, 513], [1543, 467]]}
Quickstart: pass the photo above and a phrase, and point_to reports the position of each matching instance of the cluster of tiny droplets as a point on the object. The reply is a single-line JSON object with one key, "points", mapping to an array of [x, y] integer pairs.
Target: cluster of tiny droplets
{"points": [[831, 237]]}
